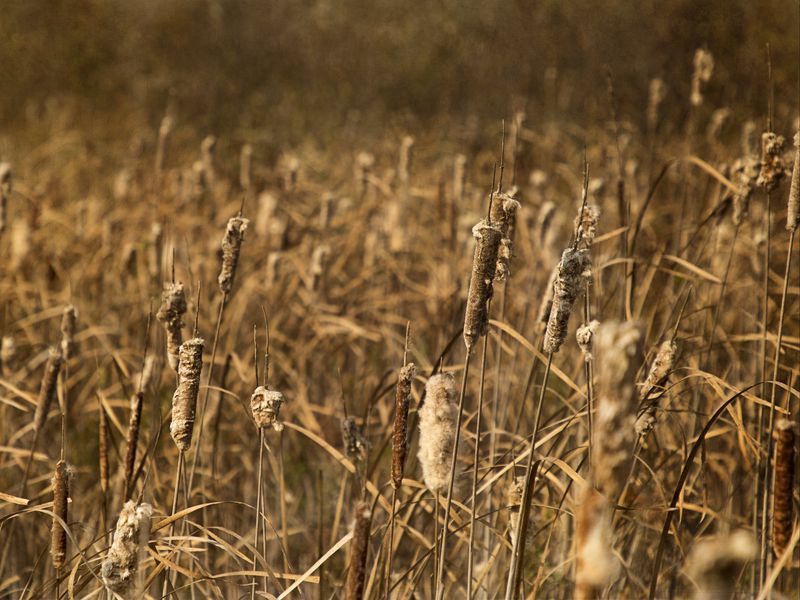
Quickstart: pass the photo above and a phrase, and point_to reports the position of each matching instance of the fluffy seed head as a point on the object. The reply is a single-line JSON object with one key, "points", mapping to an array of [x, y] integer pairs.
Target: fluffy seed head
{"points": [[48, 388], [772, 169], [484, 265], [568, 284], [355, 444], [437, 431], [399, 429], [231, 247], [586, 224], [170, 314], [584, 337], [596, 565], [793, 209], [266, 408], [131, 537], [184, 400], [715, 564], [504, 215]]}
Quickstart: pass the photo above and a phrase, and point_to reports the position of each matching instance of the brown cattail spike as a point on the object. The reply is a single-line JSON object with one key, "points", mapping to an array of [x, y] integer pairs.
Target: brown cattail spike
{"points": [[484, 265], [173, 307], [399, 431], [784, 486], [130, 539], [102, 449], [266, 408], [58, 541], [772, 170], [793, 209], [68, 321], [184, 400], [48, 389], [437, 431], [568, 284], [354, 586], [132, 442], [231, 248]]}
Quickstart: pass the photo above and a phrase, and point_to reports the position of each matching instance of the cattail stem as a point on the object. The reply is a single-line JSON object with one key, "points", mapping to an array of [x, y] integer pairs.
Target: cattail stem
{"points": [[390, 549], [258, 508]]}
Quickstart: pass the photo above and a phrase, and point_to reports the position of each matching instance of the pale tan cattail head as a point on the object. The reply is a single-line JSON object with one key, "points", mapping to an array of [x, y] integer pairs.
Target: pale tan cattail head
{"points": [[618, 356], [406, 160], [266, 408], [657, 93], [356, 573], [267, 206], [399, 429], [793, 208], [568, 284], [69, 318], [245, 166], [783, 486], [662, 366], [170, 314], [703, 69], [744, 173], [596, 566], [291, 172], [772, 169], [164, 131], [584, 336], [355, 444], [484, 265], [131, 537], [208, 150], [184, 400], [155, 249], [231, 248], [715, 564], [58, 541], [48, 389], [437, 431], [586, 225], [504, 216]]}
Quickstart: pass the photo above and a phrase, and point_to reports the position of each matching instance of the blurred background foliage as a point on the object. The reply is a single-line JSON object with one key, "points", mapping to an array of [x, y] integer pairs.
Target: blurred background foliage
{"points": [[294, 67]]}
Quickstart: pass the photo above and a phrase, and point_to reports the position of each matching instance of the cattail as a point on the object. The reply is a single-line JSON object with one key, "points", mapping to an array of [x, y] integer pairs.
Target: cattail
{"points": [[364, 163], [173, 307], [437, 431], [657, 93], [544, 222], [68, 320], [131, 537], [618, 350], [48, 389], [749, 139], [319, 260], [568, 284], [504, 216], [132, 441], [245, 162], [484, 265], [703, 68], [273, 267], [459, 178], [657, 376], [596, 566], [772, 169], [715, 564], [20, 242], [584, 336], [102, 449], [266, 408], [58, 540], [744, 173], [354, 586], [184, 400], [151, 373], [719, 118], [546, 305], [783, 486], [514, 495], [5, 192], [355, 444], [793, 209], [231, 248], [121, 188], [406, 160], [163, 138], [399, 433], [586, 225]]}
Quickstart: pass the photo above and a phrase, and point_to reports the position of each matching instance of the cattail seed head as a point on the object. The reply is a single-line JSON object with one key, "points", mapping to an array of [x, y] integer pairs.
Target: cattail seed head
{"points": [[231, 248], [784, 486], [437, 431], [584, 337], [703, 69], [772, 169], [363, 168], [504, 216], [586, 225], [319, 260], [657, 93], [355, 444], [543, 316], [131, 537], [58, 540], [399, 430], [184, 400], [793, 209], [48, 389], [484, 265], [102, 450], [715, 564], [266, 408], [354, 586], [68, 321], [568, 284], [596, 565], [662, 366], [173, 307], [163, 137], [406, 161], [744, 173]]}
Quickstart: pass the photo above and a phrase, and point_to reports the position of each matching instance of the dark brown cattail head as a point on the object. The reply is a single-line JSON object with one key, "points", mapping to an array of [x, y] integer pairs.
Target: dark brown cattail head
{"points": [[69, 319], [266, 408], [231, 248], [568, 284], [184, 400], [58, 540], [399, 431], [48, 389], [793, 209], [355, 444], [484, 265], [784, 486], [354, 586], [102, 449], [132, 440], [131, 537], [173, 307], [772, 169]]}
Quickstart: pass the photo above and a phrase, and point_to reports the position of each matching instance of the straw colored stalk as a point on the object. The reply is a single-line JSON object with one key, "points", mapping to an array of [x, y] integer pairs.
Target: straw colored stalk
{"points": [[772, 169], [399, 430], [184, 400], [132, 441], [68, 321], [438, 417], [662, 366], [568, 284], [715, 564], [173, 307], [484, 265], [58, 535], [596, 565], [266, 407], [783, 486], [231, 248], [354, 586], [131, 537], [793, 208], [48, 389]]}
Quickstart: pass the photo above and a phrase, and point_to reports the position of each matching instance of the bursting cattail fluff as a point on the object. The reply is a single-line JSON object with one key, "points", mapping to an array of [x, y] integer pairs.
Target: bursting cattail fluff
{"points": [[584, 336], [715, 564], [184, 400], [703, 69], [399, 429], [437, 431], [568, 284], [356, 573], [68, 320], [793, 208], [504, 215], [586, 225], [772, 169], [173, 307], [484, 264], [58, 539], [355, 444], [266, 408], [783, 486], [595, 563], [48, 388], [131, 537], [231, 248], [662, 366]]}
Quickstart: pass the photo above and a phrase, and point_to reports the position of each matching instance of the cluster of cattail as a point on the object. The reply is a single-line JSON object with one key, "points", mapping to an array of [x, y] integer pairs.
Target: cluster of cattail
{"points": [[793, 208], [48, 389], [173, 307], [772, 169], [131, 537], [703, 69], [355, 444], [484, 265], [184, 400], [58, 541], [783, 486], [662, 366], [399, 429], [231, 248], [584, 336], [266, 408], [5, 192], [715, 564], [569, 281], [437, 431], [69, 319], [356, 573], [504, 215]]}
